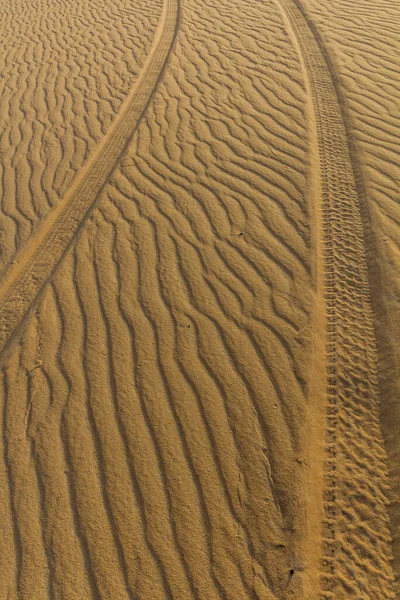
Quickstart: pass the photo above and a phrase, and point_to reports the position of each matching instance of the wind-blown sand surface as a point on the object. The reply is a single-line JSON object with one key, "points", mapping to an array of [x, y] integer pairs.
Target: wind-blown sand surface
{"points": [[198, 305]]}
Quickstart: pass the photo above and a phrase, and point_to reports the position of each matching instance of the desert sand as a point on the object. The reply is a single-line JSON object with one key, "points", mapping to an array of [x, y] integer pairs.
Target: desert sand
{"points": [[199, 300]]}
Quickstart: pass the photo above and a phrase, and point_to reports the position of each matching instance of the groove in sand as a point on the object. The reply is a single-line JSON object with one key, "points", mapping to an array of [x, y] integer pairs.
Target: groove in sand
{"points": [[36, 262], [354, 446]]}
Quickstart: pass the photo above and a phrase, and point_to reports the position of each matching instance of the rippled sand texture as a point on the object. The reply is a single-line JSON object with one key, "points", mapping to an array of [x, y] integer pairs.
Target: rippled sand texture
{"points": [[65, 69], [152, 447], [191, 396]]}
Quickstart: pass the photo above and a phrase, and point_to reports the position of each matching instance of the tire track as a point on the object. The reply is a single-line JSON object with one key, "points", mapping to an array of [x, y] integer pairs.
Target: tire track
{"points": [[356, 556], [64, 76], [369, 73], [35, 264]]}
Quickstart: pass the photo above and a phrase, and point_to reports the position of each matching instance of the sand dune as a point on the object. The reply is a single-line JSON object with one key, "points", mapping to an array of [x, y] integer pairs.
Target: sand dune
{"points": [[190, 327]]}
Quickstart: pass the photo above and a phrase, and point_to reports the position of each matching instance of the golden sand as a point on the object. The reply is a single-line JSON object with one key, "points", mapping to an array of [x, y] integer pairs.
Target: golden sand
{"points": [[199, 248]]}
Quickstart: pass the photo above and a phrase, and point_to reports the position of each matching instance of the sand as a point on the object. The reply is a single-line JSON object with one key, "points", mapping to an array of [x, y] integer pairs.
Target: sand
{"points": [[198, 304]]}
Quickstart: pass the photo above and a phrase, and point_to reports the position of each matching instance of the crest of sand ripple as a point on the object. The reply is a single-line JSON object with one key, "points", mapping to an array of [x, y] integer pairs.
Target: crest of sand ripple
{"points": [[65, 70], [153, 408]]}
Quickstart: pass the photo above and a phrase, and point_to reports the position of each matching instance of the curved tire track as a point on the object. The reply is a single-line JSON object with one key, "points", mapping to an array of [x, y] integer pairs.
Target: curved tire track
{"points": [[356, 557], [36, 262]]}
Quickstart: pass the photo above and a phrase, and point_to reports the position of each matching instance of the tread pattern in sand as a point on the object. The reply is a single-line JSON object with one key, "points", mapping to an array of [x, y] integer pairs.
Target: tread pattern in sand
{"points": [[357, 542], [363, 39], [37, 260], [65, 71], [153, 408]]}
